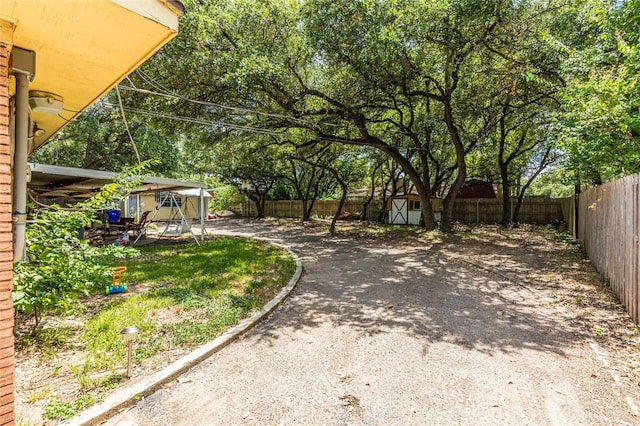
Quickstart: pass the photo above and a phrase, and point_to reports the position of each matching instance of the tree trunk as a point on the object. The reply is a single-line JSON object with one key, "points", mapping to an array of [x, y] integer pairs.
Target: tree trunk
{"points": [[37, 315], [394, 190], [372, 194], [516, 209], [365, 207], [263, 202], [543, 165], [503, 164], [343, 199], [306, 215], [461, 164], [259, 200], [506, 196], [307, 209]]}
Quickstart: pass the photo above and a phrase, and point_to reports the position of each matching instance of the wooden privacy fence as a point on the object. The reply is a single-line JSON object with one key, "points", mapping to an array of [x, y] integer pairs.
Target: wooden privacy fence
{"points": [[608, 226], [321, 208], [488, 211]]}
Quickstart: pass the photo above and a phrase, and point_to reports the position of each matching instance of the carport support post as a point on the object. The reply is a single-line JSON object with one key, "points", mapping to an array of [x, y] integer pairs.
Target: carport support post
{"points": [[20, 166], [202, 213]]}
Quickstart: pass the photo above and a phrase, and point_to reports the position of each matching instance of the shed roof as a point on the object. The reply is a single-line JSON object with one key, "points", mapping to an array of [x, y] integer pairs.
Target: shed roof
{"points": [[70, 182], [477, 189]]}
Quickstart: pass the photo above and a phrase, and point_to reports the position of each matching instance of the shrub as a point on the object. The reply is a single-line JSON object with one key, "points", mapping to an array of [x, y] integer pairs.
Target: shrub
{"points": [[225, 197], [59, 266]]}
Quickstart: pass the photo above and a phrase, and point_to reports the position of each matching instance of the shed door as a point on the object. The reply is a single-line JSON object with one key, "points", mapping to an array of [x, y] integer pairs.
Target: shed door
{"points": [[399, 211]]}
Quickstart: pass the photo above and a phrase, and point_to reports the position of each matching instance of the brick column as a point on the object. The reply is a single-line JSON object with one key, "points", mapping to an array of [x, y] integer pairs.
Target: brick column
{"points": [[7, 368]]}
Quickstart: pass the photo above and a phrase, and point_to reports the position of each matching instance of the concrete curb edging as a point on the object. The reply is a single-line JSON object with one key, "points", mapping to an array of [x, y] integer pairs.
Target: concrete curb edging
{"points": [[129, 395]]}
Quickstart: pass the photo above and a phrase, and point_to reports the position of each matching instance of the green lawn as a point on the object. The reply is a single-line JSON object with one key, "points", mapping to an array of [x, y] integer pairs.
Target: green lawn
{"points": [[194, 292], [180, 296]]}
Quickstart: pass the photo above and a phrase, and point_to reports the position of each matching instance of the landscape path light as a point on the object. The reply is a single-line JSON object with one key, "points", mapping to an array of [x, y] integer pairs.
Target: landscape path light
{"points": [[129, 334]]}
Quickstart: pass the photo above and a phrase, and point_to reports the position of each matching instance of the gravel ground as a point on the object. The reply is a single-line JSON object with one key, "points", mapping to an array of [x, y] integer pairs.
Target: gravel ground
{"points": [[395, 333]]}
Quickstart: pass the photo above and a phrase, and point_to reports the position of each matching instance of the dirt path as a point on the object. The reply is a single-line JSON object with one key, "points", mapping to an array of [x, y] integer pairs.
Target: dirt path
{"points": [[390, 334]]}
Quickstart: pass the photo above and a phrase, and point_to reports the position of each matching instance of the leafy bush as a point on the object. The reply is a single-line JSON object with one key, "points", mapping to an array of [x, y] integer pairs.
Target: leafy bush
{"points": [[59, 266], [225, 197]]}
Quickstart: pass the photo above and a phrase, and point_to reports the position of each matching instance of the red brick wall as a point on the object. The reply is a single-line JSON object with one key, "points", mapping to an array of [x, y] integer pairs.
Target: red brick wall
{"points": [[6, 251]]}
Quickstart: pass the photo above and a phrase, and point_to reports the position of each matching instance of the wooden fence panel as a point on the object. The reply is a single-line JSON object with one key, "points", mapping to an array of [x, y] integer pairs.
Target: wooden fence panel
{"points": [[568, 207], [608, 226], [539, 210], [488, 211], [294, 208]]}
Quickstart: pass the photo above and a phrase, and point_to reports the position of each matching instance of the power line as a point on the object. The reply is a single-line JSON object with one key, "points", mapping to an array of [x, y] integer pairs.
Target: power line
{"points": [[237, 109], [171, 94], [165, 92], [224, 125], [126, 125], [186, 119]]}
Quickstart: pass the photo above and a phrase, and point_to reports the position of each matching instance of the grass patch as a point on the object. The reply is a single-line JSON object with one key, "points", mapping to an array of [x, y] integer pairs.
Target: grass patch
{"points": [[180, 296], [62, 410], [217, 283]]}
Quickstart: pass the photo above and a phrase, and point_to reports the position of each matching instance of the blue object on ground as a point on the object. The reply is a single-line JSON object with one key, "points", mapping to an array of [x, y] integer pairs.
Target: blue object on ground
{"points": [[113, 215], [117, 289]]}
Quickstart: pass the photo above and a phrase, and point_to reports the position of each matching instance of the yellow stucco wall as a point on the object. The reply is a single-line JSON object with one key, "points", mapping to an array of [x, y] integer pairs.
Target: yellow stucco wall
{"points": [[190, 208]]}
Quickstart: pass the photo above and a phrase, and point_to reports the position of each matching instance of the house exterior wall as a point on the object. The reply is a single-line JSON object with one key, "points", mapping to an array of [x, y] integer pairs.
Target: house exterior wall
{"points": [[189, 207], [7, 368], [48, 28]]}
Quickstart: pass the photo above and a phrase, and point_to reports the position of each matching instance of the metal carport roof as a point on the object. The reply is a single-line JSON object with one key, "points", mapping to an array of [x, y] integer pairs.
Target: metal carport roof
{"points": [[70, 182]]}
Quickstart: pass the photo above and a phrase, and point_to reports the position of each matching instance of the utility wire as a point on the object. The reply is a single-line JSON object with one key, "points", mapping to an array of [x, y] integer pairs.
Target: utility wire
{"points": [[216, 105], [171, 94], [224, 125], [126, 125], [186, 119], [165, 92]]}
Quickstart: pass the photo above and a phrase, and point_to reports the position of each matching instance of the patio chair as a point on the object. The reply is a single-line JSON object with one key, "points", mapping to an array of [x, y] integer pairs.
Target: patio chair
{"points": [[137, 228]]}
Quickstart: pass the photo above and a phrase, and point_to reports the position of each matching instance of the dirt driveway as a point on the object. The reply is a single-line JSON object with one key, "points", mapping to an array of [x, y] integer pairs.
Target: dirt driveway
{"points": [[385, 332]]}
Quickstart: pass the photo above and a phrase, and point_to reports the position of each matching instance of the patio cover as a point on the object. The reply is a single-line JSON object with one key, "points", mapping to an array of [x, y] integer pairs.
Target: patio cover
{"points": [[83, 48], [73, 183]]}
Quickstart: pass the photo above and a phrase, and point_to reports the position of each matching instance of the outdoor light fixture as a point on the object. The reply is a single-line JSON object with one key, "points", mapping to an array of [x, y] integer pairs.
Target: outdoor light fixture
{"points": [[45, 103], [128, 335], [38, 131]]}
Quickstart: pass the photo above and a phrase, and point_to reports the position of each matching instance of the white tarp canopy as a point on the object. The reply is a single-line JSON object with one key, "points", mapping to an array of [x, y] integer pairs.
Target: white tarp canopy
{"points": [[193, 192]]}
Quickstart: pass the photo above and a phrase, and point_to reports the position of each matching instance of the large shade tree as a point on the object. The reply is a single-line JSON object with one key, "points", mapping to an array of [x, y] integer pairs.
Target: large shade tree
{"points": [[409, 78], [602, 99], [444, 89]]}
